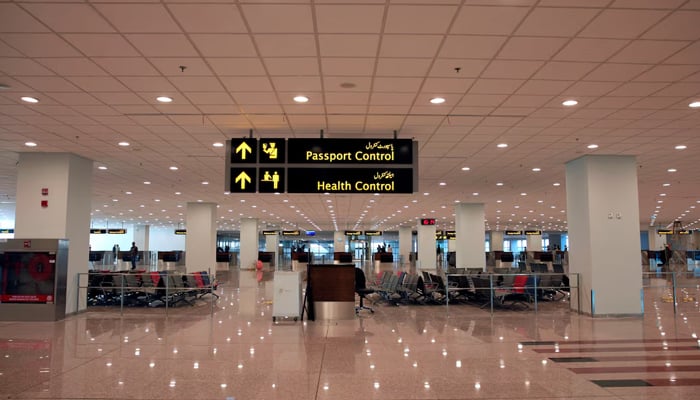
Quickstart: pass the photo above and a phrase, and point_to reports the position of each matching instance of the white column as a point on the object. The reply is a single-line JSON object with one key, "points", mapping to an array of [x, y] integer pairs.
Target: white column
{"points": [[339, 241], [200, 243], [272, 244], [249, 243], [142, 236], [496, 241], [603, 217], [656, 241], [427, 252], [534, 242], [451, 245], [405, 244], [68, 179], [469, 223]]}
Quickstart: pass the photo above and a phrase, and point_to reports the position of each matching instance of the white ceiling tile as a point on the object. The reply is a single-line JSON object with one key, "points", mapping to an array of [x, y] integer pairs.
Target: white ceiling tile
{"points": [[689, 55], [384, 109], [386, 122], [196, 83], [171, 66], [622, 24], [139, 18], [543, 87], [500, 2], [354, 18], [265, 109], [209, 98], [564, 70], [247, 84], [22, 66], [126, 66], [101, 45], [162, 45], [610, 72], [590, 88], [526, 101], [403, 67], [580, 49], [613, 102], [48, 83], [482, 100], [147, 84], [511, 69], [457, 68], [131, 110], [40, 44], [681, 25], [285, 45], [71, 66], [409, 45], [122, 98], [668, 73], [348, 66], [208, 18], [348, 45], [446, 85], [67, 17], [471, 46], [495, 86], [224, 45], [98, 84], [292, 66], [660, 4], [306, 121], [418, 19], [345, 121], [74, 98], [352, 109], [647, 51], [333, 83], [244, 98], [350, 98], [561, 22], [236, 66], [488, 20], [278, 18], [393, 84], [531, 48], [15, 19], [680, 89], [299, 84], [391, 99], [638, 89]]}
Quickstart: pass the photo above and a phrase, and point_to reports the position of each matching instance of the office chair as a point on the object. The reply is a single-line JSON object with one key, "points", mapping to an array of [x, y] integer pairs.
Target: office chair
{"points": [[362, 290]]}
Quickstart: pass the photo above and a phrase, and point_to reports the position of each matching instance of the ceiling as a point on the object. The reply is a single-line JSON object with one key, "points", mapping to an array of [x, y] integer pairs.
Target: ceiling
{"points": [[369, 68]]}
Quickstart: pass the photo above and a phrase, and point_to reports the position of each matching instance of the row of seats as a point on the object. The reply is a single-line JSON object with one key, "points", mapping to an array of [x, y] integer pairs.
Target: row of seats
{"points": [[153, 289]]}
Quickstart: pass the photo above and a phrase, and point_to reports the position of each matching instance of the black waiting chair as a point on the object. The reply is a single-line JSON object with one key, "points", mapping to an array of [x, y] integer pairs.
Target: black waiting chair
{"points": [[362, 290]]}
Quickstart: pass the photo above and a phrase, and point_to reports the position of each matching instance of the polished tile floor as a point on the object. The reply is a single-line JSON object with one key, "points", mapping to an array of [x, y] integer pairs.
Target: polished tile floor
{"points": [[233, 350]]}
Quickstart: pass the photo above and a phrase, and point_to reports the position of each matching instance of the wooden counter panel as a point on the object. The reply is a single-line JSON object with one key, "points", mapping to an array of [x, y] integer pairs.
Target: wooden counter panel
{"points": [[332, 282]]}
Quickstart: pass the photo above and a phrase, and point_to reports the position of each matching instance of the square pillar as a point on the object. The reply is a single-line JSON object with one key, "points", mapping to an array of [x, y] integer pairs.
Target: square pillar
{"points": [[471, 236], [200, 244]]}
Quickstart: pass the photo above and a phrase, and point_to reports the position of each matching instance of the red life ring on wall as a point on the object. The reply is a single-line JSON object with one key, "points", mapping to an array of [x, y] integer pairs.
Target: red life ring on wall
{"points": [[40, 267]]}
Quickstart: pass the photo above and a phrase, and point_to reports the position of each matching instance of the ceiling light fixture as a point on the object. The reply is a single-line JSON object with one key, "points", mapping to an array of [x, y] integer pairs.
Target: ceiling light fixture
{"points": [[102, 167], [465, 168], [218, 144], [502, 145], [437, 100], [301, 99], [30, 144], [28, 99], [536, 169], [164, 99], [556, 184], [123, 144], [569, 103], [695, 104], [173, 168], [681, 147], [672, 170], [592, 146]]}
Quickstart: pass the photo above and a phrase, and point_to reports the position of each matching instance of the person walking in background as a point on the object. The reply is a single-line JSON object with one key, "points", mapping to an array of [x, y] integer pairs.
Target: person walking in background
{"points": [[134, 252]]}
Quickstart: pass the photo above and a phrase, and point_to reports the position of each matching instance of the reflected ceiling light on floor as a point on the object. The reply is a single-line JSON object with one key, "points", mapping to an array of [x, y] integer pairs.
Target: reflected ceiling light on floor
{"points": [[437, 100], [592, 146], [681, 147], [502, 145], [695, 104], [30, 144], [164, 99], [301, 99], [569, 103]]}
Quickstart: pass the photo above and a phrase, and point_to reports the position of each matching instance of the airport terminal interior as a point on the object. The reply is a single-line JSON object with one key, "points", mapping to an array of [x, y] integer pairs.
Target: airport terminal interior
{"points": [[336, 199]]}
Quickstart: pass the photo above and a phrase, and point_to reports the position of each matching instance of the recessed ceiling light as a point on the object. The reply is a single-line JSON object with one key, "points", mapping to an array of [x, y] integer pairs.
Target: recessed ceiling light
{"points": [[662, 194], [206, 183], [592, 146], [173, 168], [499, 183], [426, 194], [28, 99], [672, 170], [30, 144], [666, 184], [437, 100], [465, 168], [475, 194], [694, 104], [218, 144], [146, 182], [556, 184], [523, 194], [102, 167], [569, 103], [443, 183], [502, 145], [536, 169], [681, 147], [301, 99], [164, 99], [123, 144]]}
